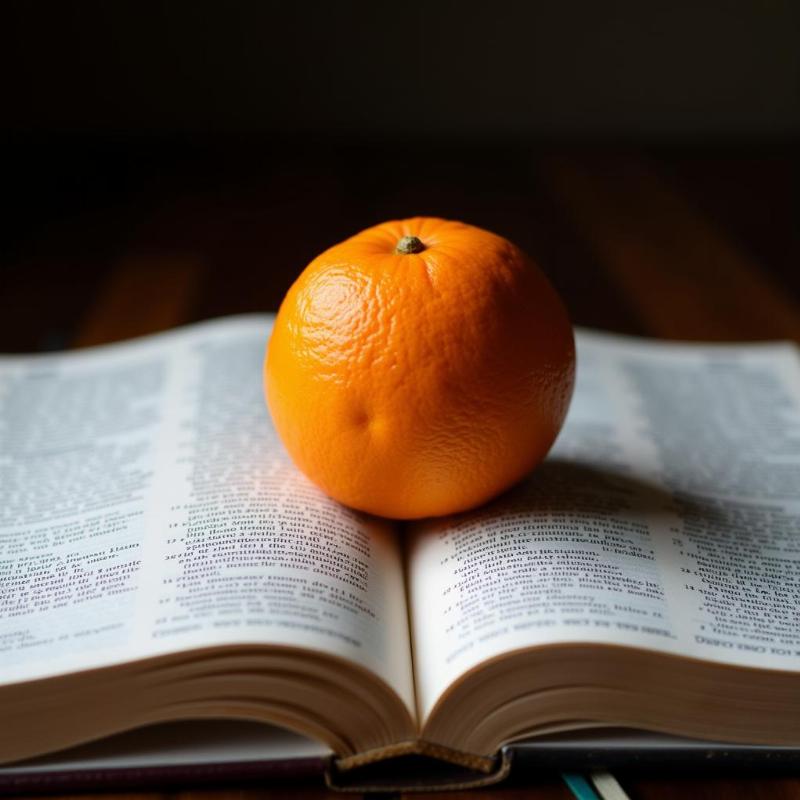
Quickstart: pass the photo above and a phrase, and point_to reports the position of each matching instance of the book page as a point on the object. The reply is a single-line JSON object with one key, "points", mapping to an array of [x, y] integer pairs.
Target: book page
{"points": [[146, 506], [667, 516]]}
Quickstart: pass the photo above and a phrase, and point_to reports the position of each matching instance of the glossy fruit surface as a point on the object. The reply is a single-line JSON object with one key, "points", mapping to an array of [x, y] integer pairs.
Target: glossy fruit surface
{"points": [[419, 368]]}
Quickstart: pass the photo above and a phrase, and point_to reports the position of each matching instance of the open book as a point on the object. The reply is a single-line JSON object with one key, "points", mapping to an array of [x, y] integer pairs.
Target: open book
{"points": [[162, 560]]}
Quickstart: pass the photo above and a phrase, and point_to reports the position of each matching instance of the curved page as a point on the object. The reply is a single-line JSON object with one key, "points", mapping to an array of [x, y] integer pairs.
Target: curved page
{"points": [[147, 507], [667, 516]]}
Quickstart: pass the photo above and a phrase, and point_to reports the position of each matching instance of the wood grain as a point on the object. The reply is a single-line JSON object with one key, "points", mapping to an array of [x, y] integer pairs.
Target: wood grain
{"points": [[142, 295], [685, 278]]}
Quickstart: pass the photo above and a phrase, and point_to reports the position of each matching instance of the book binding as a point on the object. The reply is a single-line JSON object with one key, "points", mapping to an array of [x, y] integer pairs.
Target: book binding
{"points": [[415, 766]]}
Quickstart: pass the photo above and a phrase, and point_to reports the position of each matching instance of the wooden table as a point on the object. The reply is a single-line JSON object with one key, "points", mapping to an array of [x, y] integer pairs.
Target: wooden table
{"points": [[685, 244]]}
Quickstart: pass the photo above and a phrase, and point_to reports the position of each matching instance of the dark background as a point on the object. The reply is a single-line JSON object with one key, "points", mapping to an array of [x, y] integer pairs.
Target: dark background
{"points": [[246, 137], [440, 69]]}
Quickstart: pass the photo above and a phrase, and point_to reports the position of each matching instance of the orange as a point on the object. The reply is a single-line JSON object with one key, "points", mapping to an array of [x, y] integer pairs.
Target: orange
{"points": [[419, 368]]}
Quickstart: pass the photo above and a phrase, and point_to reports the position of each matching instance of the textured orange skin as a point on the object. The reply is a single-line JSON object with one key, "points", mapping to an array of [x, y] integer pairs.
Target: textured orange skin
{"points": [[424, 384]]}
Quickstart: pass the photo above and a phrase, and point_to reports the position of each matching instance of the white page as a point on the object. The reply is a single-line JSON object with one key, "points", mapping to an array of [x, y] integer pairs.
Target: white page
{"points": [[146, 506], [667, 516]]}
